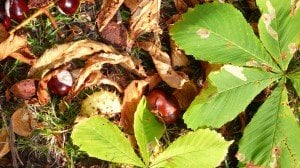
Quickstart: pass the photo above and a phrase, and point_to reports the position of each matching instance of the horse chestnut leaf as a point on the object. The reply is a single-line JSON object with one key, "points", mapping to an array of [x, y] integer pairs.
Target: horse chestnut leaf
{"points": [[68, 7], [61, 83], [16, 9], [166, 107]]}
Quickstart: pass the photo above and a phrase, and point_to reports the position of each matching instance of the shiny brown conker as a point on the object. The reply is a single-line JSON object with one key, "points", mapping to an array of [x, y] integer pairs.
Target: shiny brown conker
{"points": [[164, 106], [61, 83], [68, 7], [16, 9]]}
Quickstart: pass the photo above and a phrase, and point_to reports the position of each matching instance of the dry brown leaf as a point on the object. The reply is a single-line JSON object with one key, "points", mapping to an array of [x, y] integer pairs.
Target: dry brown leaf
{"points": [[93, 64], [145, 18], [177, 56], [132, 95], [163, 66], [64, 53], [108, 10], [4, 142], [181, 6], [42, 90], [23, 122], [132, 4], [34, 4], [24, 89], [22, 58], [186, 95], [11, 45]]}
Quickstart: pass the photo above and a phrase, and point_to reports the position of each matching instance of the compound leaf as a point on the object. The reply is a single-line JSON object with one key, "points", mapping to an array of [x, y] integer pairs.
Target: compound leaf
{"points": [[147, 129], [295, 78], [272, 137], [279, 29], [213, 109], [101, 139], [218, 33], [202, 148]]}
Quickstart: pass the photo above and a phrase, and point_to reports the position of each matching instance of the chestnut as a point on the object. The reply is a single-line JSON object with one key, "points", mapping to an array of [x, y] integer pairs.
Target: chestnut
{"points": [[165, 106], [68, 7], [61, 83], [16, 9]]}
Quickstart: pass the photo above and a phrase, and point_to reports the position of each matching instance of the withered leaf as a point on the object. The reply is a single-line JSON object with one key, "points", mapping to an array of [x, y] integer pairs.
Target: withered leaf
{"points": [[64, 53], [108, 10], [132, 95], [24, 89], [3, 33], [145, 18], [163, 66], [4, 142], [11, 45], [34, 4], [186, 95], [177, 56]]}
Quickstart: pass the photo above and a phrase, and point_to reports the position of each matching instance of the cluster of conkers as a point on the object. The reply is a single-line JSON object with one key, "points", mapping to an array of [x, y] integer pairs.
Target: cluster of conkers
{"points": [[164, 106], [18, 10]]}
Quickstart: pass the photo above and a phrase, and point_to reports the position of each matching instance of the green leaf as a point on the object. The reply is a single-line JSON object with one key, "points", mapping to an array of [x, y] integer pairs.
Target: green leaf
{"points": [[102, 139], [236, 88], [218, 33], [295, 78], [202, 148], [279, 29], [147, 129], [272, 137]]}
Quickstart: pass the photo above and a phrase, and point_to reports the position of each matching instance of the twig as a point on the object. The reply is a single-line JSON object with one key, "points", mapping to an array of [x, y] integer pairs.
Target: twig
{"points": [[36, 14]]}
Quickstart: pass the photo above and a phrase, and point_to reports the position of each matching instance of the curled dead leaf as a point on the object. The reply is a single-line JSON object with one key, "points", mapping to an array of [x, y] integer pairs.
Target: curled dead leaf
{"points": [[132, 95], [3, 33], [4, 142], [24, 89], [177, 56], [23, 122], [186, 94], [132, 4], [145, 18], [64, 53], [12, 44], [115, 33], [108, 10], [163, 66]]}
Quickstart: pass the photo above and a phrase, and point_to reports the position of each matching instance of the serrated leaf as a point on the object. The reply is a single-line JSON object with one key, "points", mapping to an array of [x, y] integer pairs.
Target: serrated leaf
{"points": [[202, 148], [295, 78], [101, 139], [213, 32], [279, 29], [232, 84], [147, 129], [272, 137]]}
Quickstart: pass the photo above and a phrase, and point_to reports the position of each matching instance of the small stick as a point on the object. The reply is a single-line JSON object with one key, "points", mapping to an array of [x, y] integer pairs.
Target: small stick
{"points": [[36, 14], [51, 18]]}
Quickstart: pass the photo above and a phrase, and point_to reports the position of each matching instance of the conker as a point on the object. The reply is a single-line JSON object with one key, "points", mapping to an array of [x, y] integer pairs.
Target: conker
{"points": [[165, 106], [68, 7], [16, 9], [4, 20], [61, 83]]}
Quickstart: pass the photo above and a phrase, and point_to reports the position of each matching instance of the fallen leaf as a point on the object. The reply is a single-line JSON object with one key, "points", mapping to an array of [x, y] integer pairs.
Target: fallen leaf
{"points": [[34, 4], [181, 6], [186, 94], [132, 95], [144, 19], [64, 53], [11, 45], [178, 57], [24, 89], [115, 33], [4, 142], [23, 122], [108, 10], [163, 66]]}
